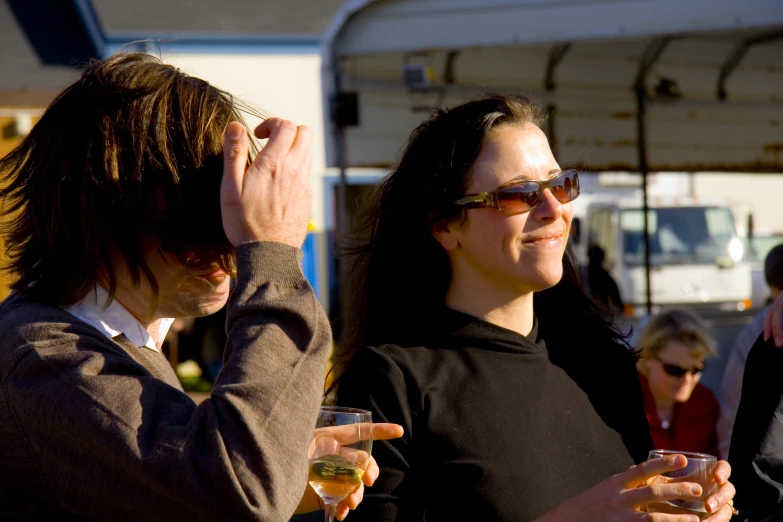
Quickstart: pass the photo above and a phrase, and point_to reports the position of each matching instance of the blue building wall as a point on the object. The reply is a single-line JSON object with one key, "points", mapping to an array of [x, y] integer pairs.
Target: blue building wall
{"points": [[310, 262]]}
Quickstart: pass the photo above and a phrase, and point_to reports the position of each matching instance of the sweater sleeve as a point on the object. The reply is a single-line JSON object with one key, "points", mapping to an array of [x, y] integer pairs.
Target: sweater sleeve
{"points": [[375, 382], [107, 440]]}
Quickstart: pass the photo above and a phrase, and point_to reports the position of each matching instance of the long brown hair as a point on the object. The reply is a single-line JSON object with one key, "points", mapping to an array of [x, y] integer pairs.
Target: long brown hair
{"points": [[400, 274], [131, 149]]}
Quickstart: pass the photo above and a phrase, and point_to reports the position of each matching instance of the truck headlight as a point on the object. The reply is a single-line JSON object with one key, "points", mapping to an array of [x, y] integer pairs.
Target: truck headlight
{"points": [[736, 249]]}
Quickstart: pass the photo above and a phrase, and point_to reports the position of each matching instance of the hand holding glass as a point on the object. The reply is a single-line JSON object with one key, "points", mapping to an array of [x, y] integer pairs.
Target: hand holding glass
{"points": [[339, 454], [699, 470]]}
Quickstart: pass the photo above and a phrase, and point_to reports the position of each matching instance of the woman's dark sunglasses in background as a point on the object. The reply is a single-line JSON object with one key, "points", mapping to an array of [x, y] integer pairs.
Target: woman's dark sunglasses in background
{"points": [[519, 197], [678, 371]]}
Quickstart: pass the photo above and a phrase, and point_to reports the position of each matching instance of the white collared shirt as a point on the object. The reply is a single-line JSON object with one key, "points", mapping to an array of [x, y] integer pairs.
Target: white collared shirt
{"points": [[115, 319]]}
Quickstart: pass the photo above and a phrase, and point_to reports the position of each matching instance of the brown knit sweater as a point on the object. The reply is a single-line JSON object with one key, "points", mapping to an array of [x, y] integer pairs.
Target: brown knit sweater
{"points": [[99, 429]]}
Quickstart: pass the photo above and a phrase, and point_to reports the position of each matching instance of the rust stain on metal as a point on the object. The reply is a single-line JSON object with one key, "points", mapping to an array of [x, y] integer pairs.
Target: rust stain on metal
{"points": [[773, 149], [761, 167], [755, 167], [623, 115]]}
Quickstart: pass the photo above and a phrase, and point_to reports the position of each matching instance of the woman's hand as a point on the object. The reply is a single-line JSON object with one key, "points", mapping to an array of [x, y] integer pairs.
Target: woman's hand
{"points": [[624, 497], [721, 503], [380, 431]]}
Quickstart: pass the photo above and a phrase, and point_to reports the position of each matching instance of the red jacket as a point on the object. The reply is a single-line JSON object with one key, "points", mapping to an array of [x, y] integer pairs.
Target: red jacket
{"points": [[693, 425]]}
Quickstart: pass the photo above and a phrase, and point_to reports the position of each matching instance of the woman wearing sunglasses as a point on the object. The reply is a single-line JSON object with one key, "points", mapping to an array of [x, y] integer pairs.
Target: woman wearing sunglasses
{"points": [[681, 412], [469, 327]]}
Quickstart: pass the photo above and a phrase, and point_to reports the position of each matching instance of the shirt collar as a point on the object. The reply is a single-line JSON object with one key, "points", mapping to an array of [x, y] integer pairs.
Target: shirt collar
{"points": [[115, 319]]}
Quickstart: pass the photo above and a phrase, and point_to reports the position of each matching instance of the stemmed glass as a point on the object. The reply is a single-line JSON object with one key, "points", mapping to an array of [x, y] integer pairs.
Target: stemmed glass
{"points": [[339, 454]]}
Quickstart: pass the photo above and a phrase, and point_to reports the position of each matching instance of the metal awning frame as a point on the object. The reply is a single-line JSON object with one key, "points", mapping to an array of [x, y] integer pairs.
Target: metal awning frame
{"points": [[557, 52]]}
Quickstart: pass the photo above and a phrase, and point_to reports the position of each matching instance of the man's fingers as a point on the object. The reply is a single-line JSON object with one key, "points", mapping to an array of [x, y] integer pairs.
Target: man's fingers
{"points": [[302, 141], [638, 475], [351, 433], [235, 148], [347, 433], [659, 492], [353, 500], [371, 473], [357, 457], [350, 502], [385, 431], [281, 134]]}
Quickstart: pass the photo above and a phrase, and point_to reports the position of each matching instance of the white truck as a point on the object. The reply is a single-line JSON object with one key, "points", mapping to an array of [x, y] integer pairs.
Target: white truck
{"points": [[696, 257]]}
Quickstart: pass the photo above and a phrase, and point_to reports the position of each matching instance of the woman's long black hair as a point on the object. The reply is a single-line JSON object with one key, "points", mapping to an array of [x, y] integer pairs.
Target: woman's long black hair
{"points": [[399, 273]]}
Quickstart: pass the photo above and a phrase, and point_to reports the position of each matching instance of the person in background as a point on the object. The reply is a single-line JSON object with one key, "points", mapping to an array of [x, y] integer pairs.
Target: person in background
{"points": [[731, 386], [130, 203], [756, 450], [682, 413], [469, 327], [599, 283]]}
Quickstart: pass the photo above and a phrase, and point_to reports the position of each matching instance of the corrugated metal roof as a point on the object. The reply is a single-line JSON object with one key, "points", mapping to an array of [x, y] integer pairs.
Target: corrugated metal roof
{"points": [[688, 128], [445, 24]]}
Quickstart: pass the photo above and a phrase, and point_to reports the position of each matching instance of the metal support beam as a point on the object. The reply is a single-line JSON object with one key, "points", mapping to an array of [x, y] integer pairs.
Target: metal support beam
{"points": [[448, 70], [738, 53], [556, 55], [651, 55], [342, 200]]}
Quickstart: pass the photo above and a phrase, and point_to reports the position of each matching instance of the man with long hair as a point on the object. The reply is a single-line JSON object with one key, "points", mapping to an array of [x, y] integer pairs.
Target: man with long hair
{"points": [[113, 227]]}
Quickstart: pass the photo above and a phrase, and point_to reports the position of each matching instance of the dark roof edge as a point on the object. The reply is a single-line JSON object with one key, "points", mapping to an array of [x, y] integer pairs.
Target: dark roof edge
{"points": [[216, 38], [91, 24]]}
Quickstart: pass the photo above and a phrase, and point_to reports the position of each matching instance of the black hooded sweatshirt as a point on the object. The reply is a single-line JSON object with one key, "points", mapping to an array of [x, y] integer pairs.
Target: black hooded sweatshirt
{"points": [[498, 426]]}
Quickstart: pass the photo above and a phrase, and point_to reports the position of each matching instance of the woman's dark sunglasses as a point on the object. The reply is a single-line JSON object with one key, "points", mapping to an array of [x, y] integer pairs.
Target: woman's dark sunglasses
{"points": [[678, 371], [519, 197]]}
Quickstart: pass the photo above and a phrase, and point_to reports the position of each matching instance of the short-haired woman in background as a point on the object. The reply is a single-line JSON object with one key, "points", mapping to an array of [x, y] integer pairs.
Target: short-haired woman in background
{"points": [[682, 412]]}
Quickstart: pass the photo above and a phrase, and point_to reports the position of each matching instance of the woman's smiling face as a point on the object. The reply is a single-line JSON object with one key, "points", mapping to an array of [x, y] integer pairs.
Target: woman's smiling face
{"points": [[523, 252]]}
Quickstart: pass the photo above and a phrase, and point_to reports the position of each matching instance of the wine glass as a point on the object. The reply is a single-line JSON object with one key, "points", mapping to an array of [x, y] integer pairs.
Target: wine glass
{"points": [[699, 469], [339, 454]]}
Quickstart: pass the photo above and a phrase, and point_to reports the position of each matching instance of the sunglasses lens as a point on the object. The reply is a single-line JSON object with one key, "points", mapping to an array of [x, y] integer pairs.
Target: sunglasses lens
{"points": [[565, 187], [674, 371], [519, 198]]}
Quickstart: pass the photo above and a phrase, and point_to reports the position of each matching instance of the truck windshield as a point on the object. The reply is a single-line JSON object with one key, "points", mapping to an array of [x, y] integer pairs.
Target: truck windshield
{"points": [[678, 235]]}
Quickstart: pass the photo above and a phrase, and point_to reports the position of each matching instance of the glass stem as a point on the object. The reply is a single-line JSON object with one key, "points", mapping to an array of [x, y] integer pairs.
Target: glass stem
{"points": [[329, 510]]}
